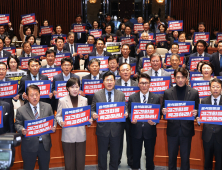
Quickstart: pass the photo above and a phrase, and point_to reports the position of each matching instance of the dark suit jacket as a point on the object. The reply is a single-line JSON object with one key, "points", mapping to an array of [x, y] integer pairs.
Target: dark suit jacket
{"points": [[83, 36], [54, 66], [187, 126], [90, 97], [137, 131], [132, 48], [31, 144], [105, 128], [209, 129], [133, 83], [141, 53], [131, 60], [8, 118], [46, 40], [216, 63], [6, 54], [194, 55]]}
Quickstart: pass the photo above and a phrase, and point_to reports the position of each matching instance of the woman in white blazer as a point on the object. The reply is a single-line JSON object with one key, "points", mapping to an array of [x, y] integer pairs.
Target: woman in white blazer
{"points": [[73, 138]]}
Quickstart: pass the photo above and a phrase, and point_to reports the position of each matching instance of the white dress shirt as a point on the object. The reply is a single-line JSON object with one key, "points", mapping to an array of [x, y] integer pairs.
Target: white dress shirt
{"points": [[123, 82], [142, 98], [159, 72], [212, 99]]}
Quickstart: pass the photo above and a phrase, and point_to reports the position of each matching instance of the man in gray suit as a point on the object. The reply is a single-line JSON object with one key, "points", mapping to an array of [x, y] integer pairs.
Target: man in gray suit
{"points": [[50, 58], [125, 51], [125, 73], [3, 53], [108, 133], [27, 50], [33, 147], [155, 61]]}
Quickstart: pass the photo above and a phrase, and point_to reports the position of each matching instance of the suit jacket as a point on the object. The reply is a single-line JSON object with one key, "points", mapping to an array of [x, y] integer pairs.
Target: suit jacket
{"points": [[32, 55], [163, 72], [105, 128], [90, 97], [194, 55], [187, 126], [71, 134], [140, 54], [216, 63], [31, 144], [8, 118], [133, 83], [131, 60], [6, 54], [46, 66], [209, 129], [83, 36], [104, 36], [140, 64], [148, 131], [132, 48]]}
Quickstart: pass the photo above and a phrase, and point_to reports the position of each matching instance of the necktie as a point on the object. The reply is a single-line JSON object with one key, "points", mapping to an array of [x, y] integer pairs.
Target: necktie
{"points": [[109, 96], [156, 73], [28, 55], [78, 35], [72, 49], [144, 98], [125, 84], [215, 101], [94, 77], [125, 60], [200, 55], [35, 77], [220, 61], [36, 112], [1, 54], [60, 52]]}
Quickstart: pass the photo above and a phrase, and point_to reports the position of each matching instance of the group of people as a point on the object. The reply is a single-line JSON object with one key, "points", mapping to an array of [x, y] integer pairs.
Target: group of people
{"points": [[110, 134]]}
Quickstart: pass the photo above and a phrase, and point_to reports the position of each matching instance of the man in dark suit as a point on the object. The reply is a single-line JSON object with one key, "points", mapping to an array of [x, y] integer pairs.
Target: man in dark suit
{"points": [[34, 146], [60, 44], [113, 64], [9, 117], [66, 66], [139, 53], [3, 53], [50, 58], [33, 74], [125, 73], [79, 37], [3, 33], [180, 132], [108, 30], [217, 60], [125, 51], [27, 50], [201, 46], [146, 28], [100, 43], [108, 133], [143, 131], [94, 66], [212, 134], [109, 22]]}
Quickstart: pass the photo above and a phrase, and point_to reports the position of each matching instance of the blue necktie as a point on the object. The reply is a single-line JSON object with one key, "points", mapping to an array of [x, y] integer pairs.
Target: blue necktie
{"points": [[220, 61], [156, 73], [72, 49], [200, 55], [125, 84], [215, 101], [109, 96], [94, 77], [144, 98]]}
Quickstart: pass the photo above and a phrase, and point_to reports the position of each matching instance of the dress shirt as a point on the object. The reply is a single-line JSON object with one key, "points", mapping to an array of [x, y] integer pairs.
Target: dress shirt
{"points": [[59, 51], [97, 77], [201, 54], [115, 72], [66, 78], [26, 55], [212, 99], [52, 66], [99, 54], [123, 82], [112, 95], [142, 98], [32, 77], [127, 60], [154, 74]]}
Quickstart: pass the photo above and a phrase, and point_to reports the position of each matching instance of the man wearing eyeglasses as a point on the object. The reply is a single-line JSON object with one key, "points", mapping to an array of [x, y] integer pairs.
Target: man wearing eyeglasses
{"points": [[108, 133], [143, 131]]}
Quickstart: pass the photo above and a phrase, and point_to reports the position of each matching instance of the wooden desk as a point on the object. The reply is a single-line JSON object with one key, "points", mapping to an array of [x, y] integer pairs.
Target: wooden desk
{"points": [[212, 50], [160, 154]]}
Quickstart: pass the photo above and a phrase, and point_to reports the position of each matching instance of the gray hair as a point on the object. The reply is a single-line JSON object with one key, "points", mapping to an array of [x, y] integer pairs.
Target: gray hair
{"points": [[174, 54], [94, 60], [154, 55]]}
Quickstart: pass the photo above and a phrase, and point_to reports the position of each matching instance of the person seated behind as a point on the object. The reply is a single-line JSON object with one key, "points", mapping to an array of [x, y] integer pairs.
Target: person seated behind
{"points": [[50, 58], [207, 69]]}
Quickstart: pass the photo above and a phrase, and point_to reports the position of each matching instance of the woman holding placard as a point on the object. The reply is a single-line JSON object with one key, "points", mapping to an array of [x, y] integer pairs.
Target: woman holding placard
{"points": [[206, 69], [73, 138]]}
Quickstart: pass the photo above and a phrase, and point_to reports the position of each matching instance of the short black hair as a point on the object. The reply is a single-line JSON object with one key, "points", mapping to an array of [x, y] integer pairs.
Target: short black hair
{"points": [[26, 28], [127, 46], [2, 63], [26, 42], [72, 81], [182, 33], [12, 57], [127, 26], [113, 57], [107, 25], [32, 86], [216, 80], [201, 23], [79, 15], [100, 39], [202, 42], [174, 44], [58, 25], [209, 64], [59, 38], [164, 26], [150, 44], [44, 21], [144, 75], [33, 60], [108, 73], [49, 51], [7, 36], [66, 59], [2, 40], [220, 42], [108, 36], [95, 21], [182, 70], [70, 33], [29, 36]]}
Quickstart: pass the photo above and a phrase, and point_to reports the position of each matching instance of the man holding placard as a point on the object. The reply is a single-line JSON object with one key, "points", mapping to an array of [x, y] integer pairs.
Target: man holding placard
{"points": [[35, 146], [50, 58], [180, 129], [144, 131], [212, 133], [108, 133], [3, 53], [26, 46]]}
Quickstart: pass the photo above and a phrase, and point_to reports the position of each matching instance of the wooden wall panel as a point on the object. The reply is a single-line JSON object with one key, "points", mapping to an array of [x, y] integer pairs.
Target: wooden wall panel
{"points": [[194, 11], [56, 11]]}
